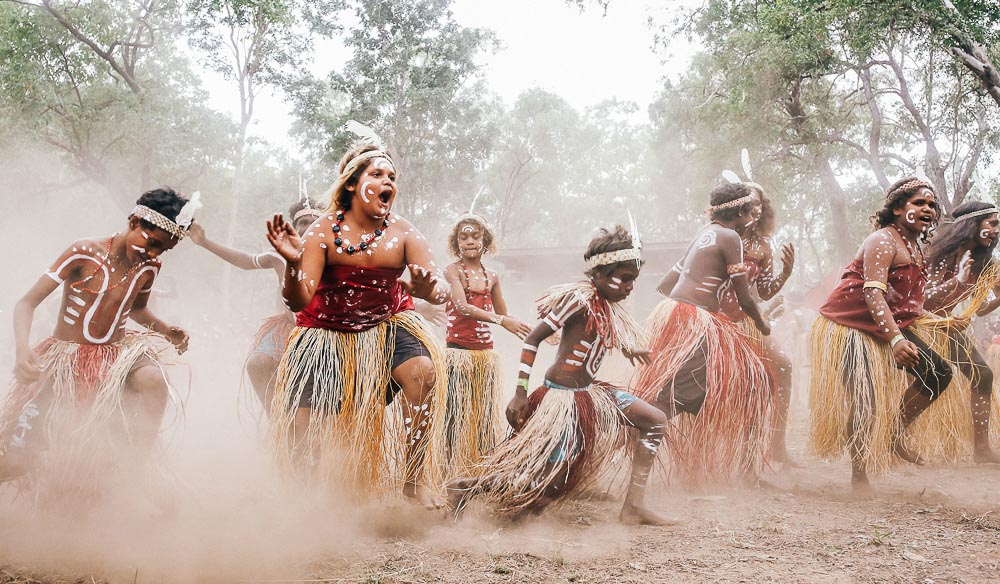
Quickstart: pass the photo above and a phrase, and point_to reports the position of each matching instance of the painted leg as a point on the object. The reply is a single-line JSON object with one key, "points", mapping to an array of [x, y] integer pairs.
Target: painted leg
{"points": [[783, 376], [416, 379], [981, 428], [651, 423]]}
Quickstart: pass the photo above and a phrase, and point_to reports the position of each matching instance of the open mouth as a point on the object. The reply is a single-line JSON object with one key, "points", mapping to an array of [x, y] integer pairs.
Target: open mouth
{"points": [[384, 196]]}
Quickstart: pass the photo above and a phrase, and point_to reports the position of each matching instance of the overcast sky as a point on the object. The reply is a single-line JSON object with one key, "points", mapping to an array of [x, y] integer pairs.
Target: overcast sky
{"points": [[585, 57]]}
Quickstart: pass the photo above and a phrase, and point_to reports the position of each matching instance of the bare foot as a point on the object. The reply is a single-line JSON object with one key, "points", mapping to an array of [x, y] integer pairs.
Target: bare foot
{"points": [[861, 488], [458, 495], [422, 495], [781, 455], [986, 456], [906, 454], [642, 516]]}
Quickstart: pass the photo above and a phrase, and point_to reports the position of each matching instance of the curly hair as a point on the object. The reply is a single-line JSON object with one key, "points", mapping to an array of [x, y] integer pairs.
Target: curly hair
{"points": [[489, 245], [726, 193], [607, 240], [896, 197], [340, 197], [959, 232], [765, 226], [164, 200]]}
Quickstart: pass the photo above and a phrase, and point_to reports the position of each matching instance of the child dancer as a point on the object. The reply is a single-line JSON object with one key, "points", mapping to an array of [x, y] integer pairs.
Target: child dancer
{"points": [[568, 428], [472, 410]]}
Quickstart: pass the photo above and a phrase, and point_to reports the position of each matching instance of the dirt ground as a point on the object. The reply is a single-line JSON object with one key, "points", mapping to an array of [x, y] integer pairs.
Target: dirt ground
{"points": [[925, 525]]}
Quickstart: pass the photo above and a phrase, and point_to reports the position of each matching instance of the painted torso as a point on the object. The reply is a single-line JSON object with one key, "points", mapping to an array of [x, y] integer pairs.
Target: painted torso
{"points": [[582, 347], [98, 292], [703, 279], [464, 331]]}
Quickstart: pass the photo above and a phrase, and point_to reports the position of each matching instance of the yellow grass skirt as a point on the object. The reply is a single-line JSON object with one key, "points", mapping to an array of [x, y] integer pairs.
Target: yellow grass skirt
{"points": [[472, 410], [355, 443]]}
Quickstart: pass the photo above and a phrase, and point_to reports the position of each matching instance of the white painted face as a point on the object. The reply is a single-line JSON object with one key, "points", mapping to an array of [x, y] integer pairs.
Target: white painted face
{"points": [[615, 283]]}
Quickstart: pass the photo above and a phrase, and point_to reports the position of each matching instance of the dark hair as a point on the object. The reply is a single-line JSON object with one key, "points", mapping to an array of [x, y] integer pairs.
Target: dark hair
{"points": [[958, 232], [165, 201], [607, 240], [764, 227], [299, 205], [340, 198], [471, 219], [726, 193], [896, 197]]}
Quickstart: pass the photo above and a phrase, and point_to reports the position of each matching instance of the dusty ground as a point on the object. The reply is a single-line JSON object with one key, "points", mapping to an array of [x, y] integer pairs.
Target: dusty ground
{"points": [[925, 525]]}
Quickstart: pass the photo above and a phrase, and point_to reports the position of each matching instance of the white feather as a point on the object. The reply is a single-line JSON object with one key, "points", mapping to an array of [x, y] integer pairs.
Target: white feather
{"points": [[745, 159], [363, 132], [472, 207], [731, 177], [186, 216], [634, 228]]}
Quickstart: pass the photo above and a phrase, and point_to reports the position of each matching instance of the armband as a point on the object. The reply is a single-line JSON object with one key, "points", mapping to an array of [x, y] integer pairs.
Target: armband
{"points": [[736, 269], [875, 284], [522, 382], [896, 339], [499, 320], [256, 261]]}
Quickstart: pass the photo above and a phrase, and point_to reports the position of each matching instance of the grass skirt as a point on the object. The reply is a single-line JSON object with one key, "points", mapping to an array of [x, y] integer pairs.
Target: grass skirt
{"points": [[564, 445], [730, 436], [355, 442], [75, 412], [472, 413]]}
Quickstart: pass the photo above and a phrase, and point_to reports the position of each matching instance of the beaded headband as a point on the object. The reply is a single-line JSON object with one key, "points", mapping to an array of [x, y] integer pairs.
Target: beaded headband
{"points": [[160, 220], [614, 257], [734, 203], [353, 163], [307, 211], [987, 211], [908, 185]]}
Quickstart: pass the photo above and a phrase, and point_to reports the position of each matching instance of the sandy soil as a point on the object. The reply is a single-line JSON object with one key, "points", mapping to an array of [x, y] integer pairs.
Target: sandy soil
{"points": [[925, 525]]}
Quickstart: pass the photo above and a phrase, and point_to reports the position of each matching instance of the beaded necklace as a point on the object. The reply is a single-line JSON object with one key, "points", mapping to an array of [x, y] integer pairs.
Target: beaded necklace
{"points": [[367, 239], [104, 259], [909, 249], [467, 285]]}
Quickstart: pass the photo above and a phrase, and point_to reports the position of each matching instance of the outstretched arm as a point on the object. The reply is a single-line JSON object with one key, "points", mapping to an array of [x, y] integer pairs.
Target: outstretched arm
{"points": [[238, 258], [666, 285], [463, 307], [426, 281], [991, 304], [142, 315], [304, 262]]}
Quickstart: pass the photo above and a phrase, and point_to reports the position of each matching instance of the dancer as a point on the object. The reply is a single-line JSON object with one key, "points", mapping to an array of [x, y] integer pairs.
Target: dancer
{"points": [[702, 365], [269, 342], [472, 414], [866, 337], [962, 270], [568, 429], [357, 340], [87, 402], [758, 256]]}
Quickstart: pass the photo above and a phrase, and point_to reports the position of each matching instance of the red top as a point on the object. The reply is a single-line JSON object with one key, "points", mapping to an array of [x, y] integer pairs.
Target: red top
{"points": [[729, 304], [355, 298], [905, 297], [467, 332]]}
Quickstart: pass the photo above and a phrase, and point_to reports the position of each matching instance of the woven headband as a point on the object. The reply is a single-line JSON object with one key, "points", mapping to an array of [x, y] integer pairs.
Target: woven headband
{"points": [[987, 211], [614, 257], [352, 165], [160, 220], [734, 203], [909, 185]]}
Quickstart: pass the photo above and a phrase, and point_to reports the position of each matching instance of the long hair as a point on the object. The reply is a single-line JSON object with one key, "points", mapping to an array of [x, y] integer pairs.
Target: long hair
{"points": [[767, 223], [340, 197], [960, 232], [726, 193], [896, 196]]}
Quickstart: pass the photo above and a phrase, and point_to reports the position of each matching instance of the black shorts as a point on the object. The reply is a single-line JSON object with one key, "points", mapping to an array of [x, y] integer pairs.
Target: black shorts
{"points": [[406, 347]]}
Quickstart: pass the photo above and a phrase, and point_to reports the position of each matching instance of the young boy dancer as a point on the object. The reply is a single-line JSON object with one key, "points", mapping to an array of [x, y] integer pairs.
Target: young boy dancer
{"points": [[87, 401], [472, 418], [864, 343], [269, 342], [568, 428], [702, 364], [358, 342]]}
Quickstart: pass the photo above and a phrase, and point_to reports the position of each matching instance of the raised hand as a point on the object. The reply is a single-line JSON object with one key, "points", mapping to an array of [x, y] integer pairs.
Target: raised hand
{"points": [[197, 233], [424, 284], [642, 356], [965, 268], [284, 239], [516, 326], [787, 259]]}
